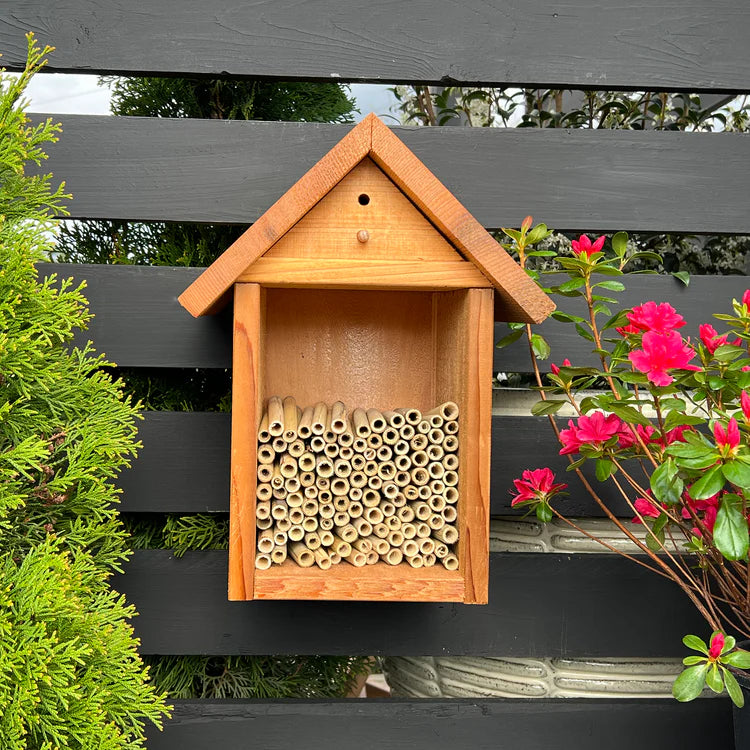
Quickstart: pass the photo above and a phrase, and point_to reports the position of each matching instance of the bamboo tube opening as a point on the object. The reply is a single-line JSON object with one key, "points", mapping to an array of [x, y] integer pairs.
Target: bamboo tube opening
{"points": [[374, 515], [450, 444], [326, 511], [266, 454], [312, 540], [263, 562], [401, 479], [419, 459], [319, 419], [424, 427], [394, 419], [450, 562], [419, 442], [402, 463], [391, 436], [384, 453], [364, 528], [334, 557], [389, 492], [275, 410], [393, 556], [331, 450], [399, 501], [362, 545], [265, 541], [291, 419], [317, 444], [296, 516], [409, 530], [436, 503], [307, 463], [310, 493], [326, 524], [361, 423], [436, 421], [355, 493], [310, 507], [279, 445], [283, 524], [450, 462], [412, 416], [307, 478], [380, 530], [416, 561], [395, 538], [263, 510], [340, 547], [345, 440], [407, 432], [448, 534], [280, 538], [451, 495], [420, 476], [376, 420], [450, 514], [429, 560], [358, 559], [355, 509], [380, 546], [342, 468], [436, 469], [441, 550], [359, 445], [374, 441], [371, 467], [346, 454], [424, 492], [279, 509], [263, 434], [301, 555], [388, 509], [265, 474], [322, 559], [279, 493], [410, 548], [263, 523], [423, 530], [392, 522], [436, 522], [338, 417], [405, 514], [387, 470], [304, 426], [358, 479], [435, 452], [296, 448], [450, 478], [341, 503], [426, 546], [437, 487], [288, 466], [296, 533], [370, 498], [348, 533], [436, 436], [450, 428], [310, 524], [292, 485], [324, 467], [323, 484], [375, 483], [401, 448], [339, 486], [372, 557]]}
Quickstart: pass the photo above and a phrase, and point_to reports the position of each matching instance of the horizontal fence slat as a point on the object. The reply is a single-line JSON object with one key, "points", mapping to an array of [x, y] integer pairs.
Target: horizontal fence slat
{"points": [[697, 45], [183, 466], [139, 322], [222, 171], [511, 724], [540, 605]]}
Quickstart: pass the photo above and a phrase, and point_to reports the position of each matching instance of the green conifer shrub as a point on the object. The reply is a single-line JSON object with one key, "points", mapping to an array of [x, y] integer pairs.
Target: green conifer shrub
{"points": [[70, 675]]}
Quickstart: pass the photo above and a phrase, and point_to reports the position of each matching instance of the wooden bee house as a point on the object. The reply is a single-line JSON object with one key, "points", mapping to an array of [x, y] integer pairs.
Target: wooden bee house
{"points": [[367, 283]]}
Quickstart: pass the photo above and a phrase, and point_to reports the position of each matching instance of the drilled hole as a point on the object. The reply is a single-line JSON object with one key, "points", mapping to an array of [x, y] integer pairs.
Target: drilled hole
{"points": [[363, 199]]}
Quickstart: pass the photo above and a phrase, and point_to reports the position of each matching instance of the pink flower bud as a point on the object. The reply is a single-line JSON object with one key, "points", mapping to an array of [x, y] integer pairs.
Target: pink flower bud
{"points": [[746, 298], [526, 224], [717, 644], [745, 404]]}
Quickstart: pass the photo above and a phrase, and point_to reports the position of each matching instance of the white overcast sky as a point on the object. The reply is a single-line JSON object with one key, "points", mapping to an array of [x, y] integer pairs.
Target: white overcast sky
{"points": [[58, 93]]}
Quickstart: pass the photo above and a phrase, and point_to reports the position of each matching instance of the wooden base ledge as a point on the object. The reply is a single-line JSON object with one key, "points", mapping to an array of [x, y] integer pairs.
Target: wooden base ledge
{"points": [[379, 582]]}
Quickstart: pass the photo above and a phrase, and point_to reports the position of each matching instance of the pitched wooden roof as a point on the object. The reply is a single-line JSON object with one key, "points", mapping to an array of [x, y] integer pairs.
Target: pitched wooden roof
{"points": [[519, 297]]}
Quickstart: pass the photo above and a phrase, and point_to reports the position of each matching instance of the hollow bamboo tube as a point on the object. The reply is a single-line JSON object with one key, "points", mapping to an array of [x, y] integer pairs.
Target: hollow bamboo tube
{"points": [[346, 440], [436, 469], [374, 441], [292, 484], [320, 418], [360, 423], [436, 521], [263, 562], [341, 503], [279, 445], [265, 541], [323, 484], [429, 560], [407, 432], [301, 555], [388, 509], [331, 450], [424, 427], [266, 454], [275, 416], [450, 478], [357, 559], [310, 524], [391, 436], [340, 487], [389, 492], [295, 499], [405, 514], [317, 444], [435, 452], [448, 534], [399, 501], [355, 509], [380, 530], [338, 417], [450, 444], [291, 419], [419, 442], [326, 524], [342, 468], [450, 462], [283, 524], [436, 487], [277, 481], [341, 519], [392, 557], [296, 448], [328, 434], [450, 428], [402, 479], [402, 463], [364, 528], [436, 436], [409, 530], [380, 546], [306, 463], [340, 547], [312, 540], [263, 510], [263, 434], [280, 537], [451, 495], [426, 546], [307, 479], [450, 562], [279, 493], [410, 548], [424, 492], [288, 466], [359, 445], [370, 455], [296, 516], [263, 523], [304, 426], [419, 477], [395, 538], [358, 479], [310, 493], [279, 509], [419, 459], [416, 561], [348, 533], [265, 473], [376, 421], [355, 494], [296, 533], [324, 496], [394, 419], [335, 558], [401, 448], [324, 467], [435, 420], [346, 454], [370, 498], [374, 515], [310, 507], [384, 453], [423, 530], [393, 523], [326, 537], [412, 416], [437, 503], [441, 550], [372, 557], [450, 513], [387, 470], [322, 559], [362, 545], [326, 510]]}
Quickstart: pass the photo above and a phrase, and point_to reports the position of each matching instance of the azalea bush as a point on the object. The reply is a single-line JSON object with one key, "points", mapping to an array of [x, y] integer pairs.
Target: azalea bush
{"points": [[666, 420]]}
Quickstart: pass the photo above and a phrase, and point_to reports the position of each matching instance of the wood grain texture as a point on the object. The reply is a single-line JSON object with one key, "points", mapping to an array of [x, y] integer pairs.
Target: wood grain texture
{"points": [[363, 274], [209, 171], [205, 295], [520, 299], [698, 45], [184, 465], [539, 605], [139, 323], [344, 582], [500, 724], [246, 411], [365, 200]]}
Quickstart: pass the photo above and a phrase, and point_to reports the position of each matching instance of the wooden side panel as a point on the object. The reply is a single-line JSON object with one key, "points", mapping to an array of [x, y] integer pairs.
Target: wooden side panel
{"points": [[463, 373], [245, 416]]}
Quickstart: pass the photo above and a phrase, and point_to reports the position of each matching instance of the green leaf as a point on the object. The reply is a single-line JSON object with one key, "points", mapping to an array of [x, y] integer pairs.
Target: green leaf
{"points": [[689, 685], [737, 472], [708, 485], [689, 661], [547, 407], [655, 540], [727, 353], [734, 690], [620, 243], [509, 339], [613, 286], [714, 680], [629, 414], [696, 643], [564, 317], [544, 512], [571, 286], [540, 346], [678, 418], [691, 450], [514, 234], [539, 232], [603, 469], [682, 276], [730, 530], [739, 659], [666, 484]]}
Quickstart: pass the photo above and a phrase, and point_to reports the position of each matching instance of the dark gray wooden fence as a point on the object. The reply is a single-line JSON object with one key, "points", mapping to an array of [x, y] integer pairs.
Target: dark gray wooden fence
{"points": [[134, 168]]}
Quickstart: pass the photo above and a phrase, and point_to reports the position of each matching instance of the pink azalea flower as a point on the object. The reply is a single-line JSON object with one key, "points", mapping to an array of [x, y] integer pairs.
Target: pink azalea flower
{"points": [[628, 330], [662, 352], [555, 369], [536, 485], [745, 404], [626, 437], [647, 508], [569, 439], [727, 440], [652, 317], [584, 247], [746, 298], [598, 428], [711, 339], [677, 435], [717, 644]]}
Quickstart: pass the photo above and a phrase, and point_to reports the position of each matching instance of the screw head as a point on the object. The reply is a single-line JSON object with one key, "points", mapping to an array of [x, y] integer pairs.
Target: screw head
{"points": [[363, 235]]}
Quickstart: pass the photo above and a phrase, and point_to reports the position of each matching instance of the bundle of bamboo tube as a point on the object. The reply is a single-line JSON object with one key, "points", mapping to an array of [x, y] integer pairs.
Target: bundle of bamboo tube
{"points": [[360, 486]]}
